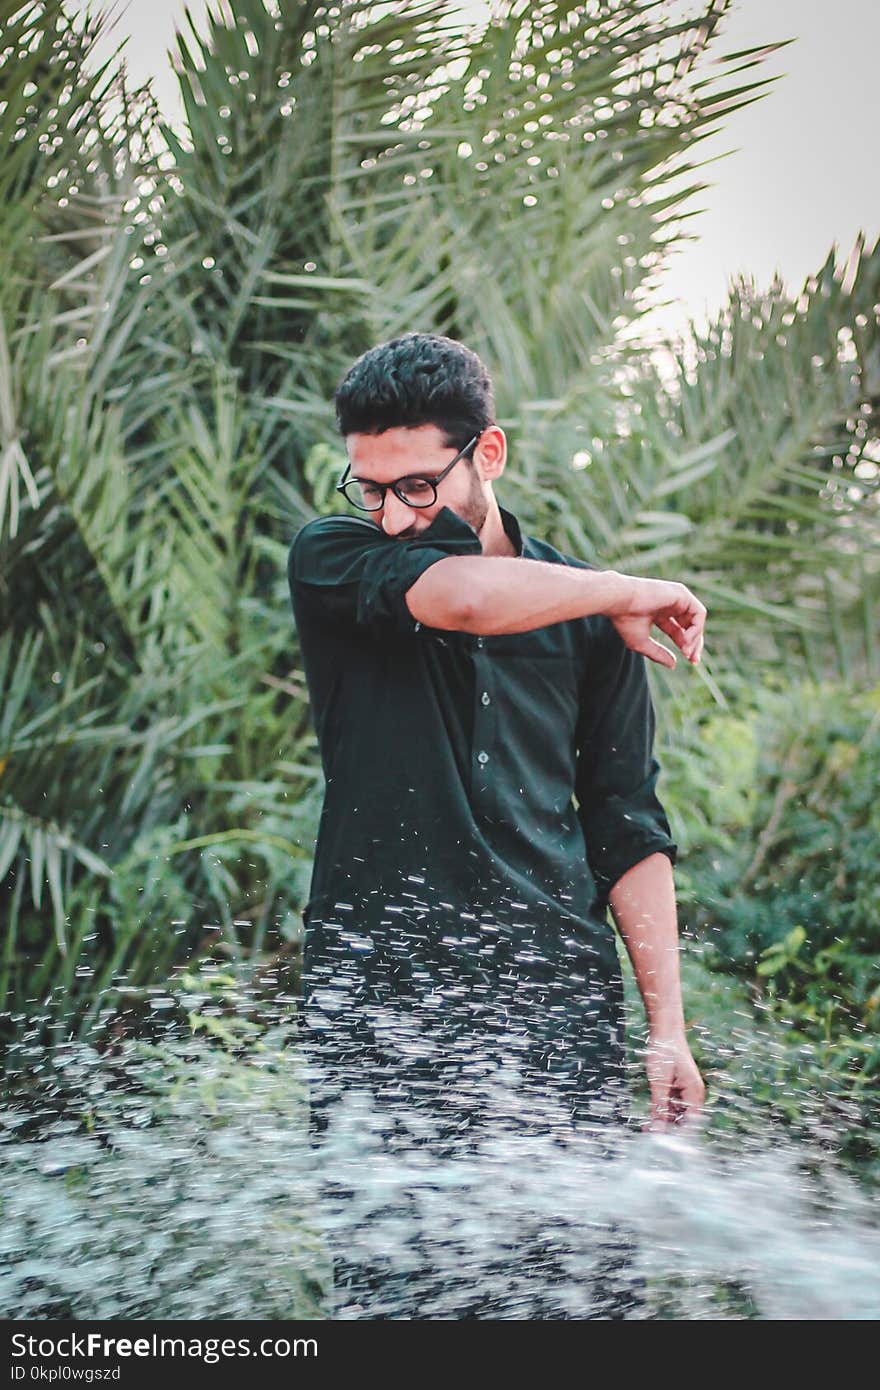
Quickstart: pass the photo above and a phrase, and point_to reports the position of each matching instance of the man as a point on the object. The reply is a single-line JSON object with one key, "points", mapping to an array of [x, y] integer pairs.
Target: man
{"points": [[486, 730]]}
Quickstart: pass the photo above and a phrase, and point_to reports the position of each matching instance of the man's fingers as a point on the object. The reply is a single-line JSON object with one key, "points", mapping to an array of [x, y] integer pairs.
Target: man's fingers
{"points": [[657, 652], [675, 611], [690, 615], [687, 636], [672, 1108], [693, 1092], [673, 628], [677, 1092], [686, 1097], [660, 1080]]}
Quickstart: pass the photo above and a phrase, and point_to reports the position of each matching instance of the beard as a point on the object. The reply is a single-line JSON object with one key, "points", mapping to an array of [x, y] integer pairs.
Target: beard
{"points": [[474, 509]]}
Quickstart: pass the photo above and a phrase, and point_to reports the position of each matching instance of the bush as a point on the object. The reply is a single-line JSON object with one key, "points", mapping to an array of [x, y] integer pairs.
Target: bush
{"points": [[791, 897]]}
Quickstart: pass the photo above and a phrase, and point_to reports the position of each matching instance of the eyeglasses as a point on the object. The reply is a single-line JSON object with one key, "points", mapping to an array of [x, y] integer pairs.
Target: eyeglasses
{"points": [[415, 490]]}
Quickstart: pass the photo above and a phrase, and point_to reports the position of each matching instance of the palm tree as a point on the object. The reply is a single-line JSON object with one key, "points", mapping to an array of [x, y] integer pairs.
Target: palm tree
{"points": [[175, 308]]}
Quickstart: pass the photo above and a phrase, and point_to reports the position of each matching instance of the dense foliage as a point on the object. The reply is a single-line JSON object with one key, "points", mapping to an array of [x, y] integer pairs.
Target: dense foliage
{"points": [[789, 892], [175, 308]]}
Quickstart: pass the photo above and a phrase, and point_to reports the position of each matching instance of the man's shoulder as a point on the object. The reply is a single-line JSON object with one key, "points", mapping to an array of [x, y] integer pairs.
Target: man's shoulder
{"points": [[332, 525], [324, 537]]}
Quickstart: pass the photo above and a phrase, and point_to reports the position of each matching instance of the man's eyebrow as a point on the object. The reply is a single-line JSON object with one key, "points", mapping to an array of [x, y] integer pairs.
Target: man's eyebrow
{"points": [[422, 473]]}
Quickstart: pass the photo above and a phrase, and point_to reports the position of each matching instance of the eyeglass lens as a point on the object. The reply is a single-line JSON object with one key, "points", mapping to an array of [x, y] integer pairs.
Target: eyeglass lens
{"points": [[416, 492]]}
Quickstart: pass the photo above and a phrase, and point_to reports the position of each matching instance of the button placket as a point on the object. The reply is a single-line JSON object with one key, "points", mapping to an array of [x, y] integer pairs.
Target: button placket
{"points": [[484, 772]]}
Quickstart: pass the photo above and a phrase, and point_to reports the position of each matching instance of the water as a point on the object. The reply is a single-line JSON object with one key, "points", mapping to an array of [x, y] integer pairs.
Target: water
{"points": [[708, 1229], [173, 1179]]}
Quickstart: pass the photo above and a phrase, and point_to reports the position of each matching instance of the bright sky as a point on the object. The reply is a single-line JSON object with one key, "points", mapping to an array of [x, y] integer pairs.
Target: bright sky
{"points": [[798, 173]]}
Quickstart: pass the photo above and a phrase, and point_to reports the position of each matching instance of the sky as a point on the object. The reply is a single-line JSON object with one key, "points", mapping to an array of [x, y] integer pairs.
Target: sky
{"points": [[791, 175]]}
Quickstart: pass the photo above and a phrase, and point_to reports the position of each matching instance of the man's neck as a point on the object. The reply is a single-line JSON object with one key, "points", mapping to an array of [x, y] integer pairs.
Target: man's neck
{"points": [[493, 537]]}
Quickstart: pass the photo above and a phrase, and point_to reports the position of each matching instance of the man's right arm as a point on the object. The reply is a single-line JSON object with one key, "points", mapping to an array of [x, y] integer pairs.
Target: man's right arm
{"points": [[490, 594]]}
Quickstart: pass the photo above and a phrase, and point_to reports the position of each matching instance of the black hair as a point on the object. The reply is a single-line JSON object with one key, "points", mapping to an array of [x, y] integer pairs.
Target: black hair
{"points": [[417, 379]]}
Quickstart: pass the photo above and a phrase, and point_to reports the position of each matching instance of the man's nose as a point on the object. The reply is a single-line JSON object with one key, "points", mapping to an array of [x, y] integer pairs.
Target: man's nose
{"points": [[396, 515]]}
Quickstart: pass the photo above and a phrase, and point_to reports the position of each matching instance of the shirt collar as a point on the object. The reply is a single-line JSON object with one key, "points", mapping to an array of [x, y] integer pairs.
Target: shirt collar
{"points": [[512, 529]]}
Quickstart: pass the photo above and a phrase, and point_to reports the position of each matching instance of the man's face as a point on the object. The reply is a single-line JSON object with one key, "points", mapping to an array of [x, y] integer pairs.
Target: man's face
{"points": [[401, 452]]}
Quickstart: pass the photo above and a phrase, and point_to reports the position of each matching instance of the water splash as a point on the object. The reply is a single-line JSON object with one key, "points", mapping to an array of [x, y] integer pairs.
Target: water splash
{"points": [[601, 1223], [175, 1180]]}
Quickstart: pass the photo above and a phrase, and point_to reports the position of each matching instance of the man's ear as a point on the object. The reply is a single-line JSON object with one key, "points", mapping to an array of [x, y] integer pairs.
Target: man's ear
{"points": [[491, 452]]}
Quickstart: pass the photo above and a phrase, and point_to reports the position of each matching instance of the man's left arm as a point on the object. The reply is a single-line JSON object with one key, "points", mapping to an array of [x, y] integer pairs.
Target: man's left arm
{"points": [[643, 903], [631, 852]]}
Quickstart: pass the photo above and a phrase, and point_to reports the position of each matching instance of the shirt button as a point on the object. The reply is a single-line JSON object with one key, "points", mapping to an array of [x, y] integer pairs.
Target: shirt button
{"points": [[482, 757], [480, 643], [485, 697]]}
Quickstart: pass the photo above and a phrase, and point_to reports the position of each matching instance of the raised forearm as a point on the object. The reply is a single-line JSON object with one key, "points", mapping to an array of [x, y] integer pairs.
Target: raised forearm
{"points": [[643, 903], [493, 594], [490, 594]]}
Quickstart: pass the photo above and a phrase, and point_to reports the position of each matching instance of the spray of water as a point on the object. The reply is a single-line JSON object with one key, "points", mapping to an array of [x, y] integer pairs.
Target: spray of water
{"points": [[595, 1223], [177, 1180]]}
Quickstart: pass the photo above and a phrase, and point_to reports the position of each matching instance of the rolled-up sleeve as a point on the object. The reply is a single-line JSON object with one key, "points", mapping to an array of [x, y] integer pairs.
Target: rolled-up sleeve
{"points": [[623, 821], [356, 574]]}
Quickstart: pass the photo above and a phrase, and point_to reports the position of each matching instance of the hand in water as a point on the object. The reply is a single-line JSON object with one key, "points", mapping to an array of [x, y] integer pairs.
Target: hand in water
{"points": [[677, 1088]]}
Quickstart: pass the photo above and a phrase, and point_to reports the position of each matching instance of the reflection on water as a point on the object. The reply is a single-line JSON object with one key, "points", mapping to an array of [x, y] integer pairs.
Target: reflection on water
{"points": [[174, 1179]]}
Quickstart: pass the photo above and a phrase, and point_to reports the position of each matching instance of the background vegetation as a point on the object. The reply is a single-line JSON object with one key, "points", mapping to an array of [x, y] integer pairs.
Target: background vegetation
{"points": [[176, 306]]}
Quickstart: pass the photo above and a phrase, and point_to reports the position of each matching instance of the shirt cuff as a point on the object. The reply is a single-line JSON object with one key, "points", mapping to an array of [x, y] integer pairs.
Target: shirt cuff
{"points": [[623, 836]]}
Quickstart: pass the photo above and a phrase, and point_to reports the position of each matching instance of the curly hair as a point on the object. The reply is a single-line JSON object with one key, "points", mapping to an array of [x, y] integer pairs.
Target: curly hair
{"points": [[417, 379]]}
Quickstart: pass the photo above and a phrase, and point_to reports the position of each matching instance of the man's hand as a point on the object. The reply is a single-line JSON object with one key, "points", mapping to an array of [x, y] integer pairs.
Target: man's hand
{"points": [[671, 607], [677, 1088]]}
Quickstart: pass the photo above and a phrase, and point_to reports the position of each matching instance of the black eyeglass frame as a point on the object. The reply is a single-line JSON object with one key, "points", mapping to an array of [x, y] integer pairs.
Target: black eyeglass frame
{"points": [[407, 478]]}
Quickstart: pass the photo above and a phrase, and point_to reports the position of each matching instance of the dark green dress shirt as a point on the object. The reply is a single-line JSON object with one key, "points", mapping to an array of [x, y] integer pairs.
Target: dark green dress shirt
{"points": [[482, 797]]}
